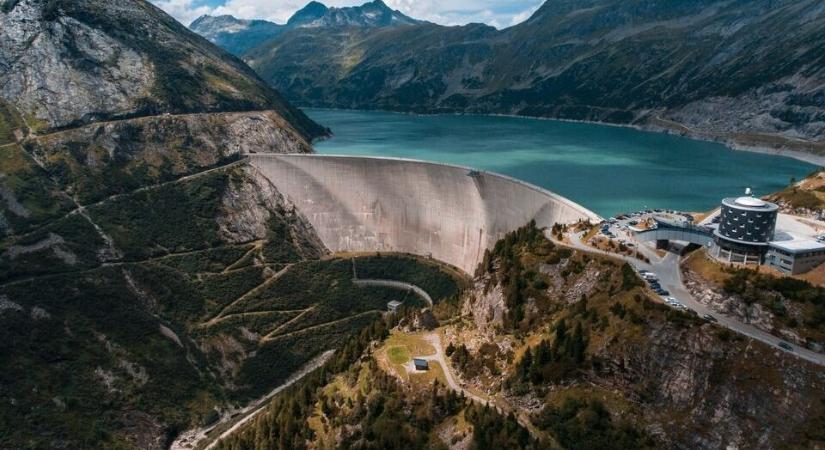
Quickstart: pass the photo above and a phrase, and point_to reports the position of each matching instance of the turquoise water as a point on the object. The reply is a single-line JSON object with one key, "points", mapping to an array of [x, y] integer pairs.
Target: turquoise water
{"points": [[607, 169]]}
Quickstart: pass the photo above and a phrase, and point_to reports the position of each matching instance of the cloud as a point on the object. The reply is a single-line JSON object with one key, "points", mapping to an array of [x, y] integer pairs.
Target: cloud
{"points": [[185, 11], [498, 13]]}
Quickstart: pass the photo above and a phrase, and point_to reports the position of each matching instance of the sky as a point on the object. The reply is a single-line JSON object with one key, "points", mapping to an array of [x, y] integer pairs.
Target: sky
{"points": [[498, 13]]}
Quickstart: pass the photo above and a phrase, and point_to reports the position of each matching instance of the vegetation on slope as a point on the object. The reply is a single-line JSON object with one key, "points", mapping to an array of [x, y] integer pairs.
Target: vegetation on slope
{"points": [[425, 274], [791, 307], [595, 363], [777, 294], [126, 348], [351, 403], [806, 196]]}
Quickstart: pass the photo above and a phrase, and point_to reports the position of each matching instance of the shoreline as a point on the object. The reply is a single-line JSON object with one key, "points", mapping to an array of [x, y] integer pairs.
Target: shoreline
{"points": [[799, 155]]}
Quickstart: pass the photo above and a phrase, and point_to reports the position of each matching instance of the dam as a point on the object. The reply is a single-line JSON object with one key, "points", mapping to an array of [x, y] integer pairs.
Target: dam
{"points": [[450, 213]]}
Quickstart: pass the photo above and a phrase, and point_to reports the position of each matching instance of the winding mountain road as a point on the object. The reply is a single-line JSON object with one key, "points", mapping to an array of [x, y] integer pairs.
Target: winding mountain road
{"points": [[670, 277], [400, 285]]}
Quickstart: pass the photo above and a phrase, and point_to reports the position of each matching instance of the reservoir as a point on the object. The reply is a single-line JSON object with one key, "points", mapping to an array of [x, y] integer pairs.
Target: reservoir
{"points": [[604, 168]]}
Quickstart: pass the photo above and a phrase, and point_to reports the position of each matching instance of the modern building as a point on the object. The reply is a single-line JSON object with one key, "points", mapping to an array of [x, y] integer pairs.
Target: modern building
{"points": [[421, 364], [746, 226], [795, 256], [393, 306]]}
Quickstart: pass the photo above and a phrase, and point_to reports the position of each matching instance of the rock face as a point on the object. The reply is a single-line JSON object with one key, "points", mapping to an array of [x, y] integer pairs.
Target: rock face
{"points": [[235, 35], [128, 220], [747, 72], [375, 14], [686, 382], [65, 64]]}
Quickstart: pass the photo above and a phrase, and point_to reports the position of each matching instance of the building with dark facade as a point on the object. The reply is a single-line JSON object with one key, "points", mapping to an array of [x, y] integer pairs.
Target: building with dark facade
{"points": [[746, 226]]}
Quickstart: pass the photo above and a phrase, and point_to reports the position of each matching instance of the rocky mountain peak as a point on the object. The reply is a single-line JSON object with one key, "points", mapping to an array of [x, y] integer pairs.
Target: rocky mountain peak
{"points": [[372, 14], [311, 12]]}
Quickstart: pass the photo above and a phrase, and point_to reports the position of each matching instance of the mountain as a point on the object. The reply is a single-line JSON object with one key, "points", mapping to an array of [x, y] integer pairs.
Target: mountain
{"points": [[235, 35], [572, 352], [129, 223], [744, 72], [239, 36], [375, 14]]}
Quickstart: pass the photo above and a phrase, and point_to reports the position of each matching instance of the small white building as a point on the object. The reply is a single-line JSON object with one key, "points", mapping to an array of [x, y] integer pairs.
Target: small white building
{"points": [[795, 256], [393, 306]]}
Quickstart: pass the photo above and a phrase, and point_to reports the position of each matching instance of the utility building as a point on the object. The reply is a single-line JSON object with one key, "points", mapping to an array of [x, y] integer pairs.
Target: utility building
{"points": [[393, 306], [795, 256]]}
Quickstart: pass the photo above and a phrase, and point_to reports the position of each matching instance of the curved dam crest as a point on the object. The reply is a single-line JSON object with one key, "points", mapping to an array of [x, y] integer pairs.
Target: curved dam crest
{"points": [[451, 213]]}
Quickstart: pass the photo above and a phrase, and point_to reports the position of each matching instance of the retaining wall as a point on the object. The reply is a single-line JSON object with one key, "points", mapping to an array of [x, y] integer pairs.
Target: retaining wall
{"points": [[448, 212]]}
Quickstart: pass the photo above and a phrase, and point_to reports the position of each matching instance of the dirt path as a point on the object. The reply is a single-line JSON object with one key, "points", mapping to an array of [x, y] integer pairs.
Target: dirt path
{"points": [[256, 247], [248, 294], [263, 313], [198, 438], [271, 337], [111, 264], [81, 209], [288, 323]]}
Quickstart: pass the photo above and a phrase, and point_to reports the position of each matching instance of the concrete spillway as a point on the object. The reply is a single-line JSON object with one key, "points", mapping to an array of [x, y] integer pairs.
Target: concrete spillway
{"points": [[451, 213]]}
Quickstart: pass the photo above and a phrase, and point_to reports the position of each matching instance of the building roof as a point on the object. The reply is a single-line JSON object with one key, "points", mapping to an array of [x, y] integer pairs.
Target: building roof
{"points": [[799, 245], [394, 303], [420, 362], [751, 201], [750, 204]]}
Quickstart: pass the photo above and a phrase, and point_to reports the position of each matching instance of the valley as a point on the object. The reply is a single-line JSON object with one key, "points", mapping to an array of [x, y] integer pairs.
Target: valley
{"points": [[185, 264], [692, 69]]}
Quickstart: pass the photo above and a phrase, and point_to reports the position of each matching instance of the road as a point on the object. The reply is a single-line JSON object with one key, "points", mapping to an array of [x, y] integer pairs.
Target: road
{"points": [[396, 285], [435, 340], [670, 277], [501, 406], [197, 438]]}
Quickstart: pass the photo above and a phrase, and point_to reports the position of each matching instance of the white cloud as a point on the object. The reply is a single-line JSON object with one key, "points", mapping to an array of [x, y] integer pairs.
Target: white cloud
{"points": [[184, 10], [499, 13]]}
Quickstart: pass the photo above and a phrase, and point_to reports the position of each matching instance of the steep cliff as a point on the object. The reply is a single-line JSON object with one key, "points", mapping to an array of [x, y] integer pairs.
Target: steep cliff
{"points": [[574, 337]]}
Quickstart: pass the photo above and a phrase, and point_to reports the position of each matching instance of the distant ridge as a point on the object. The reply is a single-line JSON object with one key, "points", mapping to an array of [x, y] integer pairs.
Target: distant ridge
{"points": [[239, 36], [750, 73]]}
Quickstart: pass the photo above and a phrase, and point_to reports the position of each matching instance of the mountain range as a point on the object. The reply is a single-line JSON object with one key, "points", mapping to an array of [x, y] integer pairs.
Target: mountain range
{"points": [[750, 73], [239, 36], [155, 287], [123, 198]]}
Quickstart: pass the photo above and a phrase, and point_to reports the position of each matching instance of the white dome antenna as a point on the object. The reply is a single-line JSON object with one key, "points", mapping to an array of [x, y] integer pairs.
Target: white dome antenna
{"points": [[749, 191]]}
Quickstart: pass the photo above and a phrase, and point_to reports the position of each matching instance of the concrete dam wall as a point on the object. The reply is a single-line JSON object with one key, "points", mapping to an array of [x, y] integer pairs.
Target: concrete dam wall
{"points": [[451, 213]]}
